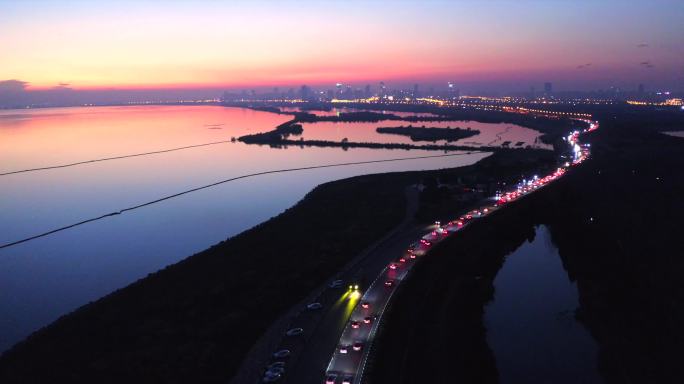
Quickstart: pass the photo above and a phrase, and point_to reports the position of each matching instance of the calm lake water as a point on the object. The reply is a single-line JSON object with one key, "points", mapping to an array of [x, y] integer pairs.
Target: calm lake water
{"points": [[531, 326], [491, 134], [48, 277]]}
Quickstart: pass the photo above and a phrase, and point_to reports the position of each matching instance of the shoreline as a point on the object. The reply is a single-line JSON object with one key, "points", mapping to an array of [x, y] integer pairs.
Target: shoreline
{"points": [[144, 286]]}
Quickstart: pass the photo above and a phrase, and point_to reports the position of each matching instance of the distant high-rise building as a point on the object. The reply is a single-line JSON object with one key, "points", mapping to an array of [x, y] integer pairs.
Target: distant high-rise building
{"points": [[382, 92], [338, 89], [548, 89], [452, 92], [305, 92], [367, 91], [415, 90]]}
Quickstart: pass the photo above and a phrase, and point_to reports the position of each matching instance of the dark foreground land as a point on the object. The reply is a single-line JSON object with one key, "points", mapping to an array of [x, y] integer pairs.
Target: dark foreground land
{"points": [[195, 321], [616, 221]]}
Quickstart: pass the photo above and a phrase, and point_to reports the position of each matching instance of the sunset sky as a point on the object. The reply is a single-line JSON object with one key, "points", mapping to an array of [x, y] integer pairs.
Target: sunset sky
{"points": [[233, 44]]}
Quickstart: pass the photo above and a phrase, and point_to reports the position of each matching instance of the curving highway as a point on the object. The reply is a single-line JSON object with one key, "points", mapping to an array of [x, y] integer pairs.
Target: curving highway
{"points": [[342, 333]]}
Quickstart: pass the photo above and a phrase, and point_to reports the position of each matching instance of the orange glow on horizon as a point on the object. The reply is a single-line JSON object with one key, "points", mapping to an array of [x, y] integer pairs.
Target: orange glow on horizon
{"points": [[130, 45]]}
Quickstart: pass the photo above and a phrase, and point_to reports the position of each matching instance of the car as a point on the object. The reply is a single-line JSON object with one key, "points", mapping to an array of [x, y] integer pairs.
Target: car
{"points": [[425, 242], [365, 305], [367, 320], [355, 324], [392, 266], [344, 348], [336, 284], [389, 283], [283, 353], [275, 371], [276, 364], [295, 332], [402, 259], [314, 306], [357, 346], [348, 379], [331, 378], [412, 256], [271, 378]]}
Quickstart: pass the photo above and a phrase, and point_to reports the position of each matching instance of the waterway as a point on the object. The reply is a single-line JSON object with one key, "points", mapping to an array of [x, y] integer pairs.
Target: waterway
{"points": [[531, 324]]}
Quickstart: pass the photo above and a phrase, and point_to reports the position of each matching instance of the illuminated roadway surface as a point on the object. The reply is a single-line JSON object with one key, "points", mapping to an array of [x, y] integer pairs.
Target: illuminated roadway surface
{"points": [[332, 329]]}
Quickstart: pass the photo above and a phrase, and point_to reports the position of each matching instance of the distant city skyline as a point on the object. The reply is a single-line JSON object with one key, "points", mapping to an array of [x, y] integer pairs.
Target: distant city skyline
{"points": [[192, 48]]}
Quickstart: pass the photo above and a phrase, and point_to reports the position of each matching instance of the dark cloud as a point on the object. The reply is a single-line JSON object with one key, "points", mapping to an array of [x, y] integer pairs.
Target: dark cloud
{"points": [[582, 66], [642, 45], [63, 87], [646, 64], [13, 86], [13, 92]]}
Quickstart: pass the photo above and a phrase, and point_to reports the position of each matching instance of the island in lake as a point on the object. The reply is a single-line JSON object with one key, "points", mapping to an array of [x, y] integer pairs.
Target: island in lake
{"points": [[430, 133]]}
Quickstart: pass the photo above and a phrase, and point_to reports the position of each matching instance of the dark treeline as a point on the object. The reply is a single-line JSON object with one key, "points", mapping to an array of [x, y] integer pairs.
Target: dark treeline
{"points": [[273, 140], [279, 134], [615, 223]]}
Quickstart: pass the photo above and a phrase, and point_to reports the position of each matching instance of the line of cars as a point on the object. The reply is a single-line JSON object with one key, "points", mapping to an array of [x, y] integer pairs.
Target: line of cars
{"points": [[439, 232], [275, 370]]}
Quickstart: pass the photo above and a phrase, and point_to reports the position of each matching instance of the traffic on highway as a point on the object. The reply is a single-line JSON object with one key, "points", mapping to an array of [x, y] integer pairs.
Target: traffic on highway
{"points": [[349, 359]]}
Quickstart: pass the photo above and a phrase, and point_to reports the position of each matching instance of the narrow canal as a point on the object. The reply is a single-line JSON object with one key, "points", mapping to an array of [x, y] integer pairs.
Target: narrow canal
{"points": [[531, 324]]}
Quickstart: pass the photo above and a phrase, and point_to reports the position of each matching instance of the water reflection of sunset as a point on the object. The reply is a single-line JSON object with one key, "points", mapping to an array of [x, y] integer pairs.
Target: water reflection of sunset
{"points": [[38, 138]]}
